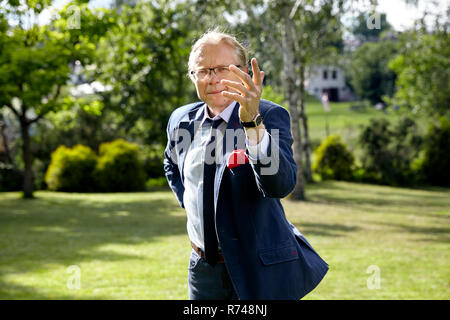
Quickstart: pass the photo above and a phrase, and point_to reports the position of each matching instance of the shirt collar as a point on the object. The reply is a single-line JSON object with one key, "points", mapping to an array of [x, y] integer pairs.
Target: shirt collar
{"points": [[225, 115]]}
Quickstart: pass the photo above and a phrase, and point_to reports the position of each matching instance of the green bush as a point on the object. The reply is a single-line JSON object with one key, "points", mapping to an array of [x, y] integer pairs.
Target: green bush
{"points": [[71, 169], [156, 182], [271, 94], [333, 160], [434, 165], [361, 175], [119, 167], [314, 143], [388, 152], [153, 160], [38, 168]]}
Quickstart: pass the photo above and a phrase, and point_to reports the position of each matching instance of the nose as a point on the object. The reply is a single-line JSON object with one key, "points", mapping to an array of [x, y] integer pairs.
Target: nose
{"points": [[213, 77]]}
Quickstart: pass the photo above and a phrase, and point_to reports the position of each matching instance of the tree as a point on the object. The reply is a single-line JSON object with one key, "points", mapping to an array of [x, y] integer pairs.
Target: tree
{"points": [[34, 62], [292, 94], [319, 40], [369, 74], [144, 61], [81, 121], [388, 150], [363, 32], [305, 31], [433, 165], [423, 70]]}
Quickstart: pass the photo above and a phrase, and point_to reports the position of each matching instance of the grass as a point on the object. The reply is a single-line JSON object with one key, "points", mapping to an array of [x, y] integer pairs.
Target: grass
{"points": [[344, 121], [135, 245]]}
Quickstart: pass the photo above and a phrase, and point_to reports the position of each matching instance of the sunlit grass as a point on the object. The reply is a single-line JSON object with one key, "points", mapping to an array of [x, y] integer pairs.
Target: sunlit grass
{"points": [[135, 245], [403, 232], [345, 122]]}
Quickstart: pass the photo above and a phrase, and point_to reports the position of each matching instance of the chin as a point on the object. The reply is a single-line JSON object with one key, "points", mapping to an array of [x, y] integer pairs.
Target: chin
{"points": [[218, 103]]}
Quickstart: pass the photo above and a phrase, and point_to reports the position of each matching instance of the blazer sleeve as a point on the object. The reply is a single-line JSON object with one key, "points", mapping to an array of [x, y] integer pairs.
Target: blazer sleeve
{"points": [[171, 168], [276, 173]]}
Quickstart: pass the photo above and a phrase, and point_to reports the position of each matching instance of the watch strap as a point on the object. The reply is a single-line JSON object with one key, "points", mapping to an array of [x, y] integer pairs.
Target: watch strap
{"points": [[254, 123]]}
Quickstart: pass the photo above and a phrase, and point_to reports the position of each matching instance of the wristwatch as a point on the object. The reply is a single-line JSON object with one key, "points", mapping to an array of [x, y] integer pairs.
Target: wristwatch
{"points": [[252, 124]]}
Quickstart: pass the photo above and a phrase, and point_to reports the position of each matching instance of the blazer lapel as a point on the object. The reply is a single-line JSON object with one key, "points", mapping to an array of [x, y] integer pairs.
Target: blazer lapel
{"points": [[191, 126]]}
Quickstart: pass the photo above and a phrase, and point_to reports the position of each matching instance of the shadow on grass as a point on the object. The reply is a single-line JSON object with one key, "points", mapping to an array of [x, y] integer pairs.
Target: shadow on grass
{"points": [[325, 229], [376, 198], [54, 229], [431, 234]]}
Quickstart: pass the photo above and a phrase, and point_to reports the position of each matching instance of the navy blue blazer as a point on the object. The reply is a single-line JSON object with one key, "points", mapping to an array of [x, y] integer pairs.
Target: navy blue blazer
{"points": [[266, 256]]}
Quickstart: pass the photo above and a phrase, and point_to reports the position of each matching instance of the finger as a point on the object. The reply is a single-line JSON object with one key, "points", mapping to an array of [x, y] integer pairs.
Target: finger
{"points": [[256, 72], [236, 85], [243, 76], [234, 96]]}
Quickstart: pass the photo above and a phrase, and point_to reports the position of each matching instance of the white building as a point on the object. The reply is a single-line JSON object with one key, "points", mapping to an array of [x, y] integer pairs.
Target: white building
{"points": [[330, 80]]}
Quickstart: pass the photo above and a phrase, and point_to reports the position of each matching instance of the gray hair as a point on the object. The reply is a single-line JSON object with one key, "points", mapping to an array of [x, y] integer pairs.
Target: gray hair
{"points": [[215, 37]]}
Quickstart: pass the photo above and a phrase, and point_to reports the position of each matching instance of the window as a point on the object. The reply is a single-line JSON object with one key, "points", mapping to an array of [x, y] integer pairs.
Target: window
{"points": [[334, 74], [325, 74]]}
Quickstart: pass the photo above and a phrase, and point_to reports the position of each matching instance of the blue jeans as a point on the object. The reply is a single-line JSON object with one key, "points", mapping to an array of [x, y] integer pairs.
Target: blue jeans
{"points": [[209, 283]]}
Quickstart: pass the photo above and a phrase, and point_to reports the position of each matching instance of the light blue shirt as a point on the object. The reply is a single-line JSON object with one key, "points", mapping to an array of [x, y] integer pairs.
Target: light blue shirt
{"points": [[193, 169]]}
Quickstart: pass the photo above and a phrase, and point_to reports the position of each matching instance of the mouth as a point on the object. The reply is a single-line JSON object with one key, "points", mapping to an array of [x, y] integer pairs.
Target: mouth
{"points": [[215, 92]]}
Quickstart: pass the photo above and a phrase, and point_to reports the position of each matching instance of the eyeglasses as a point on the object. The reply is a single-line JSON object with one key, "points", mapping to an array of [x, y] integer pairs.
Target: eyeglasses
{"points": [[219, 71]]}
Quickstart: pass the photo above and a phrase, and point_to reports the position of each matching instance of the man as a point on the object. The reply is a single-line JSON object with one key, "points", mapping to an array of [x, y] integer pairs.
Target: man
{"points": [[230, 182]]}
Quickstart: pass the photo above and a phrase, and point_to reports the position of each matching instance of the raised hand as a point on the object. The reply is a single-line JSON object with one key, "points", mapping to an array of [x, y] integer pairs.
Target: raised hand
{"points": [[250, 90]]}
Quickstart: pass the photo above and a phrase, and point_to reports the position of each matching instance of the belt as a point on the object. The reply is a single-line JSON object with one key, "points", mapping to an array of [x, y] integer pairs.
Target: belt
{"points": [[201, 253]]}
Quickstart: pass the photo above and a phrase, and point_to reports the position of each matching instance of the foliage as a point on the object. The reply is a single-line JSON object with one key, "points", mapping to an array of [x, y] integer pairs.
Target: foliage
{"points": [[363, 33], [71, 169], [423, 69], [35, 61], [318, 30], [11, 179], [147, 69], [269, 93], [39, 170], [153, 160], [368, 73], [119, 167], [156, 182], [69, 127], [388, 152], [433, 166], [333, 160]]}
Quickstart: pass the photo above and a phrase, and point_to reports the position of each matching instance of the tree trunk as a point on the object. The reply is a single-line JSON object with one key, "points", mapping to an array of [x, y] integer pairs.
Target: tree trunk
{"points": [[299, 63], [303, 116], [292, 94], [26, 151]]}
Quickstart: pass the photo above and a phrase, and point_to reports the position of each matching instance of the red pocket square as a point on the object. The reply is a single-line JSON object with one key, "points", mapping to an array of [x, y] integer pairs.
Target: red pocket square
{"points": [[236, 158]]}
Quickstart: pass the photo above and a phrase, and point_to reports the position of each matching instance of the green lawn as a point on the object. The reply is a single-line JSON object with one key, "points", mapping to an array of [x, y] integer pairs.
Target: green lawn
{"points": [[135, 245], [345, 122]]}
